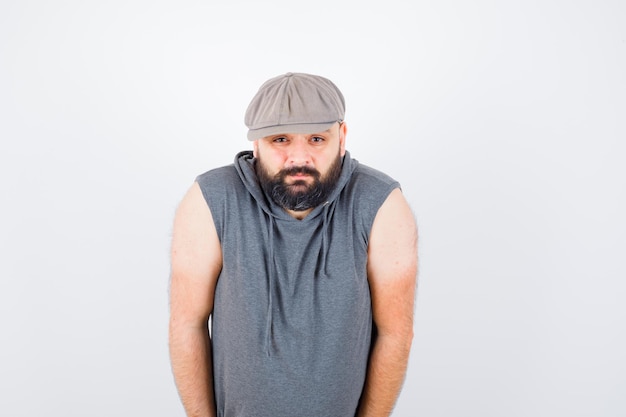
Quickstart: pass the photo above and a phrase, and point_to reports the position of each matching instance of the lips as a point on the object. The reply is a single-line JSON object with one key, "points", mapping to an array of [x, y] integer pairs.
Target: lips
{"points": [[300, 175]]}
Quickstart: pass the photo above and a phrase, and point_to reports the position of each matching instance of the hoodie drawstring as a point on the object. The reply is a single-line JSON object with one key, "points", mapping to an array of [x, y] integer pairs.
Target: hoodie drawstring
{"points": [[270, 278], [321, 268]]}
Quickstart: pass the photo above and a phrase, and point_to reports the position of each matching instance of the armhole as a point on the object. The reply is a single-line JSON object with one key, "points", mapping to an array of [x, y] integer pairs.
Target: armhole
{"points": [[203, 183], [377, 204]]}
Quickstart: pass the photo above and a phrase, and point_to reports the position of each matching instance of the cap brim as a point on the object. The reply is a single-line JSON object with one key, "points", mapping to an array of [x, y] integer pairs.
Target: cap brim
{"points": [[255, 134]]}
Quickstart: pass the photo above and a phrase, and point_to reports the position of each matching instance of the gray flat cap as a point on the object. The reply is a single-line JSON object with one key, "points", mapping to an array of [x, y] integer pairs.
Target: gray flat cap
{"points": [[294, 103]]}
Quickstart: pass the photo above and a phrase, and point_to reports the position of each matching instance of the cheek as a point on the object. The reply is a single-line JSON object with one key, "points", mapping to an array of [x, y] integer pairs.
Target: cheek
{"points": [[331, 156], [272, 161]]}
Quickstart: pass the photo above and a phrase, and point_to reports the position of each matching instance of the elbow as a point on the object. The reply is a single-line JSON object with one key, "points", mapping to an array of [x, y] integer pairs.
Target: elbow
{"points": [[406, 341], [405, 337], [399, 340]]}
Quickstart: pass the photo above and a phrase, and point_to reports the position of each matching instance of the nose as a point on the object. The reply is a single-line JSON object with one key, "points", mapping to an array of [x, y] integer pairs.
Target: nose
{"points": [[298, 154]]}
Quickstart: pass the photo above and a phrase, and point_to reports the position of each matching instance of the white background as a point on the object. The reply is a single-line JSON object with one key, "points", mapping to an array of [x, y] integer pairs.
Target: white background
{"points": [[504, 122]]}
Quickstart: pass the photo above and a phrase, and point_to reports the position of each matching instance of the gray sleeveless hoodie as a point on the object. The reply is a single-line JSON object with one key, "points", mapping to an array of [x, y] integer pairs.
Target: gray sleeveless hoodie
{"points": [[292, 321]]}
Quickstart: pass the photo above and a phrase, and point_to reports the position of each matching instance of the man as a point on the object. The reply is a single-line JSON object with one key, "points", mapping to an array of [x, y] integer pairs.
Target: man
{"points": [[306, 263]]}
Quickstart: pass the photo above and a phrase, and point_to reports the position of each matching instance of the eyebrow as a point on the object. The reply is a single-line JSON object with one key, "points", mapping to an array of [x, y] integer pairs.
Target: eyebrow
{"points": [[278, 135]]}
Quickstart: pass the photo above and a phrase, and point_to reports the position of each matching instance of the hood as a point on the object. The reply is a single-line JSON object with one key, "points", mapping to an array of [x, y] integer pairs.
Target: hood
{"points": [[244, 163]]}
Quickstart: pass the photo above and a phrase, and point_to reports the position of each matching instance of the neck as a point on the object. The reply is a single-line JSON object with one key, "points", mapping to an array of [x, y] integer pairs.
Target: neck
{"points": [[299, 214]]}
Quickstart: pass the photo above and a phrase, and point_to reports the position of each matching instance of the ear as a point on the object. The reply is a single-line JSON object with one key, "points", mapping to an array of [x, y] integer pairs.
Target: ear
{"points": [[255, 148], [343, 131]]}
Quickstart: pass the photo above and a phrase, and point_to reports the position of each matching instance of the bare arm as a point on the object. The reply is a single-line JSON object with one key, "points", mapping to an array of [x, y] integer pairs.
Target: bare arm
{"points": [[196, 259], [392, 271]]}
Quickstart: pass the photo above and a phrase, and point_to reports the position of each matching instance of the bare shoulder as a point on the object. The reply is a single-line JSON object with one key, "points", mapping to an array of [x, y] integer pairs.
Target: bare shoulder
{"points": [[392, 266], [393, 238], [194, 230], [196, 257]]}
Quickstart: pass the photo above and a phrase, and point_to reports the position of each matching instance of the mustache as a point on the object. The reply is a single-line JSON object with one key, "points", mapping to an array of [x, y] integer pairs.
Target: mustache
{"points": [[307, 170]]}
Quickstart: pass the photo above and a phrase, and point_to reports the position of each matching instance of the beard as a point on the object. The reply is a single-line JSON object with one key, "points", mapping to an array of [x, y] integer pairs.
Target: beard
{"points": [[299, 195]]}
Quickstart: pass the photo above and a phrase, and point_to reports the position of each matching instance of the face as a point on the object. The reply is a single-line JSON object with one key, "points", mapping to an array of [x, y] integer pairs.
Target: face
{"points": [[298, 171]]}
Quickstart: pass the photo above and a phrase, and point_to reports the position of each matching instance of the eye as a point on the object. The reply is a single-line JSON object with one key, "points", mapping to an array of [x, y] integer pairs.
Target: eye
{"points": [[279, 139], [317, 139]]}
